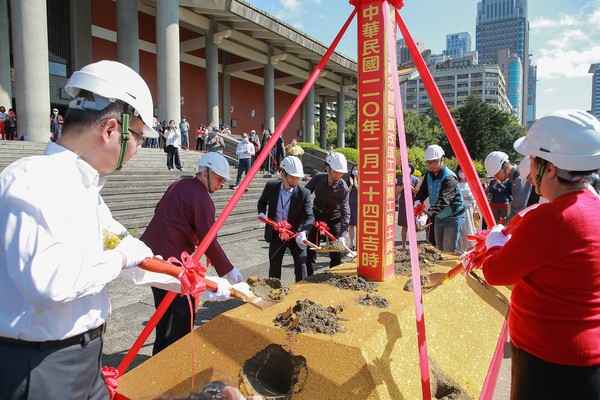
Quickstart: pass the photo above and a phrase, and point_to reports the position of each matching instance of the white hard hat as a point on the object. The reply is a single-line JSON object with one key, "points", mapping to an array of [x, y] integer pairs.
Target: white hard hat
{"points": [[493, 162], [216, 162], [569, 139], [293, 166], [337, 162], [434, 152], [113, 81]]}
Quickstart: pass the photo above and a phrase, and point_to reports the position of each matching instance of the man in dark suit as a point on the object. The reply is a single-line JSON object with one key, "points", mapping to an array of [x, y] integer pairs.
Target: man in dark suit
{"points": [[286, 201]]}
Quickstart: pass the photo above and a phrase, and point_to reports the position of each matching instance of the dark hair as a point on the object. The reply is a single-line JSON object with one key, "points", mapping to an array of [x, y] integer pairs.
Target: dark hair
{"points": [[412, 167], [79, 119]]}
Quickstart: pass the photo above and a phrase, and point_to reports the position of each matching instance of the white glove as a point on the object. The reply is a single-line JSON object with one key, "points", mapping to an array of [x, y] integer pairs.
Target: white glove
{"points": [[421, 220], [223, 290], [235, 275], [262, 216], [342, 240], [134, 250], [417, 202], [300, 238], [496, 238]]}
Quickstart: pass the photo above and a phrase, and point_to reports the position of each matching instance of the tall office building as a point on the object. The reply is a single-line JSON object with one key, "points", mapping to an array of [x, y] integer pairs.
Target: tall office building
{"points": [[510, 65], [457, 44], [503, 24], [531, 95], [595, 70], [402, 53]]}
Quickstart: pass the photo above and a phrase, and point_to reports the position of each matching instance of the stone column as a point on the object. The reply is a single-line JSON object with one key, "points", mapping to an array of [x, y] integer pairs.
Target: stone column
{"points": [[128, 48], [323, 124], [5, 72], [167, 60], [269, 93], [212, 75], [226, 91], [309, 121], [341, 123], [81, 33], [30, 54]]}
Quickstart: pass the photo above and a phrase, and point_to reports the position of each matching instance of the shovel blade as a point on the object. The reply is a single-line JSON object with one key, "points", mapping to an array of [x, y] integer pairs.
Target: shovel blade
{"points": [[244, 293]]}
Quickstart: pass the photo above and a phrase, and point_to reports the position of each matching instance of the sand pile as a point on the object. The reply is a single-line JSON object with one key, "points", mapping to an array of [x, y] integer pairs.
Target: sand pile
{"points": [[308, 316]]}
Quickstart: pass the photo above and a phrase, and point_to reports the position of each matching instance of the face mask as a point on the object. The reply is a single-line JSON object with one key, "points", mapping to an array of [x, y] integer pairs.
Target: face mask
{"points": [[245, 140], [55, 112], [355, 173]]}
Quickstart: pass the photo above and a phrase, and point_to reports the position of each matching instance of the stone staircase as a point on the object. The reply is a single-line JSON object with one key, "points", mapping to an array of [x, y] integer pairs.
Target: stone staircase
{"points": [[133, 192]]}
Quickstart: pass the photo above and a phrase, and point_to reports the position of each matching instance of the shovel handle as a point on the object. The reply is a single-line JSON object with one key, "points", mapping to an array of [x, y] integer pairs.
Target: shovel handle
{"points": [[161, 266]]}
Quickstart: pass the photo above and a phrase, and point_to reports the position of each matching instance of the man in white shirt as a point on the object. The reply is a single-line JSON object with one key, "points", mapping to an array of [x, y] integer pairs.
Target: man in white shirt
{"points": [[245, 151], [54, 263]]}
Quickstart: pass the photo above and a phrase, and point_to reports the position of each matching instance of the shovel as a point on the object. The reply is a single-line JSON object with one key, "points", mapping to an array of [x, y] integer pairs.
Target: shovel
{"points": [[240, 290], [437, 279]]}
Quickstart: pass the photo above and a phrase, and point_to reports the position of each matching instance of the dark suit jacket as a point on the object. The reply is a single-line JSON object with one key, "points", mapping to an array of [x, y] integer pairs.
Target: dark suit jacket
{"points": [[300, 214]]}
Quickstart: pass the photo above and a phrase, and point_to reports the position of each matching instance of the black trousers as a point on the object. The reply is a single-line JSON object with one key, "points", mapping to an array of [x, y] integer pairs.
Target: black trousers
{"points": [[535, 379], [70, 373], [277, 250], [173, 154], [334, 222], [175, 324]]}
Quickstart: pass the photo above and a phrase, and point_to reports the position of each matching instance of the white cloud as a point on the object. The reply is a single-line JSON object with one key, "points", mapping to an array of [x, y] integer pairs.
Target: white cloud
{"points": [[571, 43], [550, 91]]}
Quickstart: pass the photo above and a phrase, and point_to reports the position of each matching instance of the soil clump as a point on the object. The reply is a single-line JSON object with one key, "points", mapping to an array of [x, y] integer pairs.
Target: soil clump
{"points": [[268, 288], [429, 255], [371, 300], [343, 282], [308, 316]]}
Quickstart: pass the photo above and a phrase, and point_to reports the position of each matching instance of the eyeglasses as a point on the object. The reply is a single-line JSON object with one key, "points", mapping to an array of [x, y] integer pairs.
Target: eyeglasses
{"points": [[219, 178], [433, 162], [139, 139]]}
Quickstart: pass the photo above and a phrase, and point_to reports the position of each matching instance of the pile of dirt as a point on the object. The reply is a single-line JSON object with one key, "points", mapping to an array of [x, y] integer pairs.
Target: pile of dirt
{"points": [[343, 282], [308, 316], [268, 288], [371, 300], [428, 256]]}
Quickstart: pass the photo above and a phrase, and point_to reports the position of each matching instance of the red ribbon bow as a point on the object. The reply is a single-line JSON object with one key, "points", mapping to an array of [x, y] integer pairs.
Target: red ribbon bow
{"points": [[283, 227], [191, 276], [110, 375], [322, 227], [419, 210], [474, 256]]}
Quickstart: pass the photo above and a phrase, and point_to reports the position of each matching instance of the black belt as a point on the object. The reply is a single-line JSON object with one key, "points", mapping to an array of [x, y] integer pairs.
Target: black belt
{"points": [[82, 339], [325, 212]]}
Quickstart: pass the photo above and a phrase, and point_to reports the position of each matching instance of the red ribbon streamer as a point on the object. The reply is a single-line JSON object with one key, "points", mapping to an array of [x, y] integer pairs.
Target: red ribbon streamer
{"points": [[419, 210], [110, 375]]}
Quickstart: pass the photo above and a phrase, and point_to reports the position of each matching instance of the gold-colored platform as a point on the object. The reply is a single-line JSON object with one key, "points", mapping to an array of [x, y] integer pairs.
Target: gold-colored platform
{"points": [[375, 358]]}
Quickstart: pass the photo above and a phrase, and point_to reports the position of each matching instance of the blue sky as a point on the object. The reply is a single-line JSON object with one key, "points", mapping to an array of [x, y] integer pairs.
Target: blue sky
{"points": [[564, 37]]}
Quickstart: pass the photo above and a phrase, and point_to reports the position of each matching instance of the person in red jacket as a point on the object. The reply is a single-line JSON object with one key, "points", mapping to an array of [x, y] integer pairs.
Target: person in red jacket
{"points": [[553, 260]]}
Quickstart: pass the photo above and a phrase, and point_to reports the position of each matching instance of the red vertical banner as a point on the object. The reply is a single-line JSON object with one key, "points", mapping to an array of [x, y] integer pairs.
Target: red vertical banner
{"points": [[376, 143]]}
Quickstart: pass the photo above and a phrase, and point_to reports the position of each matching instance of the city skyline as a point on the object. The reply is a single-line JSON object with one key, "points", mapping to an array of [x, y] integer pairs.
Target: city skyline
{"points": [[564, 37]]}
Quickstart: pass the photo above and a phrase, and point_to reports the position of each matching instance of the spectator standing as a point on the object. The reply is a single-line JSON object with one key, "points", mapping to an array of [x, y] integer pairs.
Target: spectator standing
{"points": [[279, 150], [468, 227], [244, 151], [11, 125], [255, 140], [3, 117], [265, 138], [353, 203], [446, 207], [216, 143], [181, 220], [54, 266], [497, 167], [184, 129], [153, 143], [402, 222], [173, 143], [200, 133], [56, 124], [552, 258], [285, 200], [293, 149], [330, 205]]}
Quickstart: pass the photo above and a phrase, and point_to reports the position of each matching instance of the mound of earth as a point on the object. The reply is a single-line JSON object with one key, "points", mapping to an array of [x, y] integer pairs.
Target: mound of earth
{"points": [[268, 288], [308, 316], [371, 300], [343, 282], [429, 255]]}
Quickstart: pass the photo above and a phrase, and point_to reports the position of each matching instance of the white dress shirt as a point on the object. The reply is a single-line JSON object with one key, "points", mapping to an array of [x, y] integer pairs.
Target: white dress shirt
{"points": [[53, 267], [245, 149]]}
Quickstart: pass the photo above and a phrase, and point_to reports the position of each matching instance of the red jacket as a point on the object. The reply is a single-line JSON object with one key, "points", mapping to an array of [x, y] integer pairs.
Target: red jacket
{"points": [[553, 259]]}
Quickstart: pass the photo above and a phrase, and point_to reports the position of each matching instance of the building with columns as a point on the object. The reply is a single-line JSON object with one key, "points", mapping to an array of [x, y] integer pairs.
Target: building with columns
{"points": [[224, 61]]}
